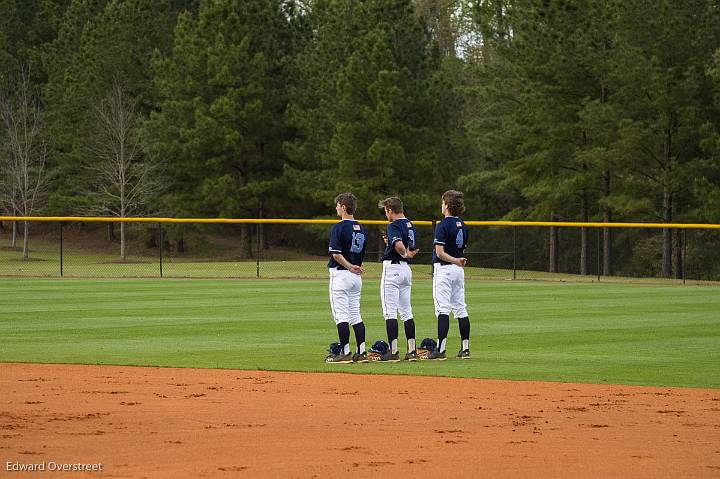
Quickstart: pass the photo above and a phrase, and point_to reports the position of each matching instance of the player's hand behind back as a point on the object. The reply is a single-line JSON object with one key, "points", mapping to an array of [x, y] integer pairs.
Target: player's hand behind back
{"points": [[357, 269], [411, 253]]}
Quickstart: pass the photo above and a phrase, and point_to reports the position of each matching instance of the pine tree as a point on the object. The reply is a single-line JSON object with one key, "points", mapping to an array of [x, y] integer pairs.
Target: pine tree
{"points": [[368, 104], [662, 88], [218, 126], [543, 65]]}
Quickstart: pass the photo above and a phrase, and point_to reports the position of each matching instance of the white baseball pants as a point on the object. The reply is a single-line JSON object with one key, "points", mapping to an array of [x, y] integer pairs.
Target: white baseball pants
{"points": [[449, 290], [395, 287], [345, 289]]}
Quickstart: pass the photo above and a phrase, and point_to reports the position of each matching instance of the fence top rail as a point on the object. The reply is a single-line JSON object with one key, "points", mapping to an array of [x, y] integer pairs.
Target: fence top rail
{"points": [[562, 224], [131, 219]]}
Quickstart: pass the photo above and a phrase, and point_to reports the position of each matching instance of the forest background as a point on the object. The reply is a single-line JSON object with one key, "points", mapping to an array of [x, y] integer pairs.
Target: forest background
{"points": [[577, 110]]}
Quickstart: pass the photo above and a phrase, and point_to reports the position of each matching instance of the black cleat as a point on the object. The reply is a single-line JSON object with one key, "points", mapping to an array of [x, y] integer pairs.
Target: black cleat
{"points": [[411, 356], [339, 359], [437, 355], [389, 357], [360, 358], [463, 354]]}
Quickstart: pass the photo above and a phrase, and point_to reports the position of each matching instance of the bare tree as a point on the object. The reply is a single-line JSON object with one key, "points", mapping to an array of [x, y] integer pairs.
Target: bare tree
{"points": [[124, 178], [24, 152]]}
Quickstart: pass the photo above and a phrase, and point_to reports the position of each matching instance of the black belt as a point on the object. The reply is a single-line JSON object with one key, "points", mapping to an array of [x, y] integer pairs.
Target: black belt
{"points": [[397, 261]]}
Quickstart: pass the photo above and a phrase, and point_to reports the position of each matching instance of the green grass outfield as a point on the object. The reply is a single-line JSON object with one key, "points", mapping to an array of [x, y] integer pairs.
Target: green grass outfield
{"points": [[572, 332]]}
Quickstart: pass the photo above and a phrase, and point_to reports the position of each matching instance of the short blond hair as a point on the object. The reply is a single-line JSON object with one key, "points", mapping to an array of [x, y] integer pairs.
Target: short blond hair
{"points": [[392, 203]]}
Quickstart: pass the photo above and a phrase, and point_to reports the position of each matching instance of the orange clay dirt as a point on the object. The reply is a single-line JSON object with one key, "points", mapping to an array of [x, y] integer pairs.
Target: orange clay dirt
{"points": [[187, 423]]}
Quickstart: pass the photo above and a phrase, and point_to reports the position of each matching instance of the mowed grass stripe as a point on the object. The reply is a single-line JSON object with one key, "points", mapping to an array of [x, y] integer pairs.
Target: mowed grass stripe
{"points": [[600, 333]]}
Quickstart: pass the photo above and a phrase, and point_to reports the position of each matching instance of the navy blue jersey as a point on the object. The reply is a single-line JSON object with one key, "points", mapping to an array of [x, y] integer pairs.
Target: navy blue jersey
{"points": [[347, 238], [399, 230], [452, 234]]}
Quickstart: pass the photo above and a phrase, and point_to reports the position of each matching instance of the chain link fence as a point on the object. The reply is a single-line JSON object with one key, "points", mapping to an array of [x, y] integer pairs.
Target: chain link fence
{"points": [[76, 249]]}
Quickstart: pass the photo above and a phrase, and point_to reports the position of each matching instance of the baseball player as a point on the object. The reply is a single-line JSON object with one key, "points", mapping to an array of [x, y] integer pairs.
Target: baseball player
{"points": [[396, 280], [347, 250], [450, 241]]}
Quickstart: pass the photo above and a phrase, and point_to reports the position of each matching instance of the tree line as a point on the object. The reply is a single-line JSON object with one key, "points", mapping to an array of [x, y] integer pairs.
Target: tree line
{"points": [[577, 110]]}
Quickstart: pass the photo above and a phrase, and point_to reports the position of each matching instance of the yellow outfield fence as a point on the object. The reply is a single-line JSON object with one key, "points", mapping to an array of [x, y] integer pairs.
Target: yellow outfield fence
{"points": [[130, 219], [560, 224], [72, 246]]}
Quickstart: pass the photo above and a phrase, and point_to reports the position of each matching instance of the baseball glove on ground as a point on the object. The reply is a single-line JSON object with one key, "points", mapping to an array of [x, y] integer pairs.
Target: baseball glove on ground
{"points": [[426, 346], [376, 351]]}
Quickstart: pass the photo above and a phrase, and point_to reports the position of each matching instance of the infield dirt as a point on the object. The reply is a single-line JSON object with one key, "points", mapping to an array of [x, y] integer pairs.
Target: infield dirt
{"points": [[183, 423]]}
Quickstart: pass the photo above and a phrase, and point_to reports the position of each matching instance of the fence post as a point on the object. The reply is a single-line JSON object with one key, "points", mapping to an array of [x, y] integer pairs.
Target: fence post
{"points": [[257, 253], [162, 241], [514, 252], [432, 265], [599, 230], [61, 249], [684, 253]]}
